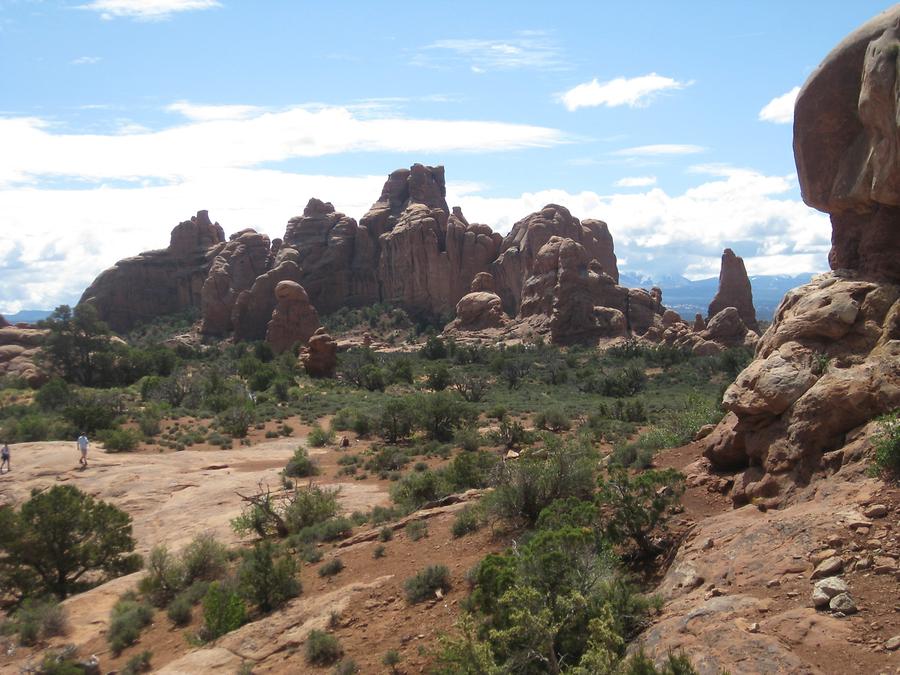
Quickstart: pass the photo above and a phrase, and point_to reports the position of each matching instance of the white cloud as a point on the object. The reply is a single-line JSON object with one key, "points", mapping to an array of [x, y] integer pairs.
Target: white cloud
{"points": [[636, 181], [633, 92], [780, 110], [242, 137], [86, 60], [146, 10], [659, 149], [527, 49]]}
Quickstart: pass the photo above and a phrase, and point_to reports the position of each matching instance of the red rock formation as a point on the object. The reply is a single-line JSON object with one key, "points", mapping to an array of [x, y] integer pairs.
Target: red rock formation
{"points": [[234, 269], [319, 357], [19, 349], [160, 282], [520, 248], [734, 290], [699, 323], [3, 322], [830, 361], [253, 308], [294, 318], [483, 281], [846, 147]]}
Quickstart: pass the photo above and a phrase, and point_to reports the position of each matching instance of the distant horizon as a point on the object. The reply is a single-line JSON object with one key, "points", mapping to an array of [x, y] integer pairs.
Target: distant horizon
{"points": [[673, 125]]}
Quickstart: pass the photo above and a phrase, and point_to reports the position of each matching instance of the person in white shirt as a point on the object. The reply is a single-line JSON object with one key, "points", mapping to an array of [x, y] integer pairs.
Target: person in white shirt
{"points": [[83, 448]]}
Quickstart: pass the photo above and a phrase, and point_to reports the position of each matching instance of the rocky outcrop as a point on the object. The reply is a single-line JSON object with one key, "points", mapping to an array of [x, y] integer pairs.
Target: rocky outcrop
{"points": [[480, 309], [580, 302], [830, 361], [19, 349], [253, 307], [236, 266], [337, 257], [846, 145], [3, 322], [157, 283], [319, 357], [294, 318], [734, 291], [520, 248]]}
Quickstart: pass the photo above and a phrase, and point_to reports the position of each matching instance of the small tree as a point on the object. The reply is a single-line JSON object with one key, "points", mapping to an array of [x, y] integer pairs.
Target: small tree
{"points": [[77, 344], [267, 582], [441, 413], [636, 505], [60, 535], [397, 418], [223, 611]]}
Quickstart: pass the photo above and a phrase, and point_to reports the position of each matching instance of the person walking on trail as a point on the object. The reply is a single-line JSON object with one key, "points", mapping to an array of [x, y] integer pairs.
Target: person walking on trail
{"points": [[83, 448], [4, 458]]}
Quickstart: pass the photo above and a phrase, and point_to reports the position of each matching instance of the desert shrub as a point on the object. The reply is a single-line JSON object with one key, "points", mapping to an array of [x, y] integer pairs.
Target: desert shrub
{"points": [[149, 422], [391, 659], [362, 424], [139, 663], [525, 487], [385, 534], [38, 620], [387, 458], [27, 429], [332, 567], [379, 551], [886, 442], [90, 411], [223, 611], [418, 488], [268, 582], [634, 506], [204, 559], [346, 667], [434, 349], [120, 440], [468, 520], [57, 537], [311, 505], [423, 585], [54, 395], [438, 378], [417, 529], [127, 619], [396, 421], [180, 609], [471, 387], [342, 420], [468, 439], [441, 413], [511, 434], [235, 421], [401, 370], [164, 578], [470, 470], [554, 419], [319, 437], [322, 649], [301, 465]]}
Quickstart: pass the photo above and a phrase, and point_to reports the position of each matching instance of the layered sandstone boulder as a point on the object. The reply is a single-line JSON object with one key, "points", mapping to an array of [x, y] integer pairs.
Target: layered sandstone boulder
{"points": [[569, 289], [319, 357], [253, 307], [19, 349], [830, 362], [294, 319], [734, 290], [520, 248], [160, 282], [235, 268], [480, 309]]}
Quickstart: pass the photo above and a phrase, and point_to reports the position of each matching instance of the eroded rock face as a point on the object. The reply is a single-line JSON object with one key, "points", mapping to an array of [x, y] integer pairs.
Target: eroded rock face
{"points": [[294, 318], [19, 349], [734, 290], [160, 282], [520, 247], [846, 147], [236, 266], [319, 357], [253, 307]]}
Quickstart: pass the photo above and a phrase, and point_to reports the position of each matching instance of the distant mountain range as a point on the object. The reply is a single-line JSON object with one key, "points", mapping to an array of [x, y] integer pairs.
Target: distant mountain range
{"points": [[28, 315], [693, 297]]}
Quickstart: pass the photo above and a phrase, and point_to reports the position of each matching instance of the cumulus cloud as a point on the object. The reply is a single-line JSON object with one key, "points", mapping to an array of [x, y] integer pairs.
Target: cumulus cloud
{"points": [[634, 92], [218, 137], [659, 149], [146, 10], [636, 181], [780, 110], [86, 60], [533, 50]]}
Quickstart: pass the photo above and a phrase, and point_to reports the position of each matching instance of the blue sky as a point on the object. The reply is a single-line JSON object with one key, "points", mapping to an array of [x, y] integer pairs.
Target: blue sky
{"points": [[119, 118]]}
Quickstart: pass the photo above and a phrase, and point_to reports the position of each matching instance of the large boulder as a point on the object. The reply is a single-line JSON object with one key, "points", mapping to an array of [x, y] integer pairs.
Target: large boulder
{"points": [[19, 349], [294, 319], [236, 266], [319, 357], [847, 147], [734, 291], [160, 282], [520, 248]]}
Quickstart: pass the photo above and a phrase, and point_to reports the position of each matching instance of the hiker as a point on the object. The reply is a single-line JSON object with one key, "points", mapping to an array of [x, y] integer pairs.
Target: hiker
{"points": [[4, 456], [83, 447]]}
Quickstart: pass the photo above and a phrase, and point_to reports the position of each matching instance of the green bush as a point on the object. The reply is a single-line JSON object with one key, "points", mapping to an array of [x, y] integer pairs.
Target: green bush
{"points": [[301, 465], [322, 649], [204, 559], [120, 440], [423, 585], [319, 437], [235, 421], [332, 567], [164, 578], [127, 619], [554, 419], [54, 395], [139, 663], [441, 413], [38, 620], [268, 582], [180, 609], [223, 611], [385, 534], [434, 349], [438, 378], [468, 439], [886, 442], [418, 488], [346, 667], [468, 520], [391, 659], [416, 529], [470, 470], [379, 551], [397, 419]]}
